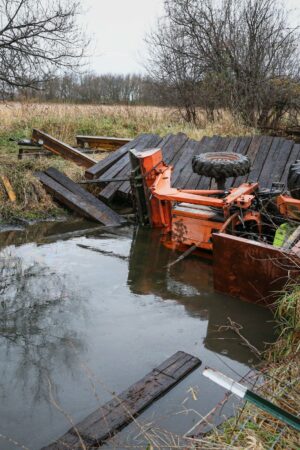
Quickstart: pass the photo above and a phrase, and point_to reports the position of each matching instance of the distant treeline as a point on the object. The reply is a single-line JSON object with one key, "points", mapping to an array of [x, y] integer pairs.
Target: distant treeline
{"points": [[107, 89]]}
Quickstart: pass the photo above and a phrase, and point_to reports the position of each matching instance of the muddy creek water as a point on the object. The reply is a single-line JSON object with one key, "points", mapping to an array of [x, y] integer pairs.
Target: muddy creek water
{"points": [[86, 312]]}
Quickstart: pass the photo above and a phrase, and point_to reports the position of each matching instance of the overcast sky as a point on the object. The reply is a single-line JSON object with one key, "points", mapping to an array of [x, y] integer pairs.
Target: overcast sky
{"points": [[118, 27]]}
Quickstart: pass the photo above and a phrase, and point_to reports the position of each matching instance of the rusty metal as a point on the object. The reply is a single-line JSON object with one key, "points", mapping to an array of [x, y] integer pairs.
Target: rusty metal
{"points": [[289, 207], [60, 148], [251, 270]]}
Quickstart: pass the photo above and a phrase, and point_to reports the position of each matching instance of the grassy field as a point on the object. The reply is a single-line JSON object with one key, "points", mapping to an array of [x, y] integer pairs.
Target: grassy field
{"points": [[65, 121]]}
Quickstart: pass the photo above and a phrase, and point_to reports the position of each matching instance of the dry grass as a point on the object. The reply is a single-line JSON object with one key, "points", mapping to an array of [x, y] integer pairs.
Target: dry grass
{"points": [[64, 121], [254, 428], [32, 201]]}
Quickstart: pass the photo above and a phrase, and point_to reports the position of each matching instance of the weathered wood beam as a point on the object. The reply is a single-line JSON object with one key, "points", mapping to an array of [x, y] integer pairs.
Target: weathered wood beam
{"points": [[60, 148], [114, 415], [102, 166], [103, 142], [76, 198]]}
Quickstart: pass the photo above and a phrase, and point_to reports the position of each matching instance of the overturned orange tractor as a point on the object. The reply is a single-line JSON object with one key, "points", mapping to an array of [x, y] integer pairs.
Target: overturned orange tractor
{"points": [[191, 217]]}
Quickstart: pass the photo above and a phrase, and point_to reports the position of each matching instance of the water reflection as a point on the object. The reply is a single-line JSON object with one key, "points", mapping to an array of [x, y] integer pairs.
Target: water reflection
{"points": [[190, 283], [75, 294], [35, 306]]}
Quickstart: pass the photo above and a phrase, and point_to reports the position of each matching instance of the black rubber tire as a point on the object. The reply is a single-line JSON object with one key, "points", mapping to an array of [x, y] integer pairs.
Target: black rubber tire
{"points": [[293, 181], [221, 164]]}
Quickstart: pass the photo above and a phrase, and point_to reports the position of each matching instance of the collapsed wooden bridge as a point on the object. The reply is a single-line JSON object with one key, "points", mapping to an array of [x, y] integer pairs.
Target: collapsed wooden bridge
{"points": [[270, 157]]}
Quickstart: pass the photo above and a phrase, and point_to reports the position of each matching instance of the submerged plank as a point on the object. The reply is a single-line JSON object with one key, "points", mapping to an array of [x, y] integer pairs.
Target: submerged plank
{"points": [[114, 415], [60, 148], [96, 211]]}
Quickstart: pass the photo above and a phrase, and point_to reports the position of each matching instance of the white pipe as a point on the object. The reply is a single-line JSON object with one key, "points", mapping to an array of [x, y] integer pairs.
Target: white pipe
{"points": [[228, 383]]}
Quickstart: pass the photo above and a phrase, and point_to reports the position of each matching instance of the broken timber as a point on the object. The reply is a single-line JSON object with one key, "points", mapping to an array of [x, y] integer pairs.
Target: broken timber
{"points": [[9, 189], [60, 148], [103, 142], [75, 197], [270, 158], [110, 418]]}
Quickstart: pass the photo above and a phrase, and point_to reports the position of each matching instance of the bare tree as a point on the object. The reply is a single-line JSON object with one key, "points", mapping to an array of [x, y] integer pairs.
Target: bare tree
{"points": [[38, 37], [170, 64], [247, 45]]}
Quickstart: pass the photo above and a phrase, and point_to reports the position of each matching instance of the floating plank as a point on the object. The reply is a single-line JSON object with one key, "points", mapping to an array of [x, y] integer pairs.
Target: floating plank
{"points": [[110, 418], [9, 189], [102, 166], [102, 142], [95, 210], [250, 270], [60, 148]]}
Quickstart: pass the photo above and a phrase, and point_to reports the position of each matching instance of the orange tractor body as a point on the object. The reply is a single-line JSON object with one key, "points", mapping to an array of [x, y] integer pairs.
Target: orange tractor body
{"points": [[189, 217]]}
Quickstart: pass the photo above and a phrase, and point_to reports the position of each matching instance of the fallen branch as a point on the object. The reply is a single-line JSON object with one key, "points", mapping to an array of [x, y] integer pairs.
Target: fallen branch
{"points": [[236, 328]]}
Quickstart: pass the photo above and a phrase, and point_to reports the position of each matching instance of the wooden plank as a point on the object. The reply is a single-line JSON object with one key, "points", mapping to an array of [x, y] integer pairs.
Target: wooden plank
{"points": [[149, 141], [242, 148], [172, 146], [76, 189], [251, 152], [125, 188], [60, 148], [294, 155], [260, 158], [100, 213], [102, 166], [110, 418], [233, 144], [275, 163], [183, 167], [104, 142], [251, 270], [114, 170], [9, 189]]}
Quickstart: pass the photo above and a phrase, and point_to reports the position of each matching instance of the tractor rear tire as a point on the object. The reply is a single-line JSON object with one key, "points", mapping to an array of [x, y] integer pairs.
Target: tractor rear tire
{"points": [[221, 164], [293, 181]]}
